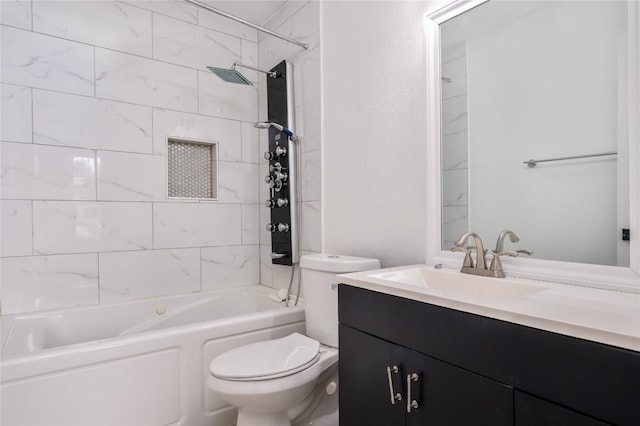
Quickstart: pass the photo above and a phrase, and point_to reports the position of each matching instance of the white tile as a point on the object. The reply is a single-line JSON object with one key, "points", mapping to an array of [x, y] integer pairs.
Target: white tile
{"points": [[310, 171], [15, 119], [227, 100], [250, 144], [193, 46], [16, 13], [110, 24], [454, 115], [130, 78], [227, 26], [454, 52], [196, 225], [250, 224], [282, 277], [283, 14], [137, 274], [45, 172], [265, 217], [306, 81], [250, 57], [455, 222], [238, 182], [61, 119], [46, 282], [77, 227], [197, 127], [16, 238], [455, 73], [37, 60], [224, 267], [311, 235], [308, 125], [455, 191], [131, 177], [266, 275], [173, 8], [262, 101], [455, 151], [303, 25]]}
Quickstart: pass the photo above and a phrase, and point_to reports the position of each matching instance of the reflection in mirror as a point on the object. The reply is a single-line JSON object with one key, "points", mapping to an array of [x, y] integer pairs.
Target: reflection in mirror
{"points": [[538, 80]]}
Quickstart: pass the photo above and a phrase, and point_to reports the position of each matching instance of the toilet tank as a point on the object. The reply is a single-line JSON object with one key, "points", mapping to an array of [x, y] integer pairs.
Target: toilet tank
{"points": [[321, 293]]}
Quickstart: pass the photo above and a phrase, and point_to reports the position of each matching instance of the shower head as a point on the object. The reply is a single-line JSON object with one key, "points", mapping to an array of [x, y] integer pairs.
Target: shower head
{"points": [[230, 75], [267, 124]]}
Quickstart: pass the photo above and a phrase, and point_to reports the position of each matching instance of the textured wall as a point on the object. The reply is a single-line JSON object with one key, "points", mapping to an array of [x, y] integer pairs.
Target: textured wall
{"points": [[374, 136]]}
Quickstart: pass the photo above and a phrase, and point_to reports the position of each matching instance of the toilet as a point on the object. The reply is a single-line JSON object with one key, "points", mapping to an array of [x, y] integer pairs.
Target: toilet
{"points": [[271, 381]]}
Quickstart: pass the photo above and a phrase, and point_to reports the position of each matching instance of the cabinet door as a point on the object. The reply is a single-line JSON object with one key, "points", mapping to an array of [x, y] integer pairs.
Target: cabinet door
{"points": [[532, 411], [365, 398], [448, 395]]}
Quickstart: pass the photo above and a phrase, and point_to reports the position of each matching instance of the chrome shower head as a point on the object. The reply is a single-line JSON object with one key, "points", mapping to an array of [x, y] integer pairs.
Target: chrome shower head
{"points": [[230, 75]]}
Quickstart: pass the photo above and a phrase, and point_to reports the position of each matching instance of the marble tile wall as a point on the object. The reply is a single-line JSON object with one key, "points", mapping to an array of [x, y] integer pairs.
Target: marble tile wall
{"points": [[455, 166], [301, 21], [90, 92]]}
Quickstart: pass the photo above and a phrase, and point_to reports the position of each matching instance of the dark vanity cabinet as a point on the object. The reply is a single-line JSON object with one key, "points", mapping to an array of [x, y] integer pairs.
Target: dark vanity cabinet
{"points": [[431, 392], [404, 362]]}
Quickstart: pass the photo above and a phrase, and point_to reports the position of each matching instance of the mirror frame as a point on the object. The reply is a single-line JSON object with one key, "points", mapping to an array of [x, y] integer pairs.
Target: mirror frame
{"points": [[582, 274]]}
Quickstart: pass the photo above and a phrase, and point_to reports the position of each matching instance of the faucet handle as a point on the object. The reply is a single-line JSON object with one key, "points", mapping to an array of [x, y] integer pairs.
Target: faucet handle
{"points": [[496, 264], [523, 251], [468, 260]]}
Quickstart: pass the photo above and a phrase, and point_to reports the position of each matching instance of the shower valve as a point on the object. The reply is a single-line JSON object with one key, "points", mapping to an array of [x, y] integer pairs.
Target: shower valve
{"points": [[280, 202], [269, 155], [280, 227], [276, 185], [281, 151], [280, 176]]}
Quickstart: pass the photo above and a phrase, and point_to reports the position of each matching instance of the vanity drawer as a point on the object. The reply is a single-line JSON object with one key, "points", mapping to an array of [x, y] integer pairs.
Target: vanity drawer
{"points": [[599, 380]]}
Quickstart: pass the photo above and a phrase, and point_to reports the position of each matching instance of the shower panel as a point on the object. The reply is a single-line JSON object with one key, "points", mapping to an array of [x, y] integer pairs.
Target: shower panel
{"points": [[282, 156]]}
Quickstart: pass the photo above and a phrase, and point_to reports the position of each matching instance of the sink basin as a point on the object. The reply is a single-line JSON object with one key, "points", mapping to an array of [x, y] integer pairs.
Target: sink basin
{"points": [[453, 284]]}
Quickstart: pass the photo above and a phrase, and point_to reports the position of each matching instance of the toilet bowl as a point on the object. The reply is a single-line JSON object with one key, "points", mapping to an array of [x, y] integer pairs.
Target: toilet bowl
{"points": [[270, 381]]}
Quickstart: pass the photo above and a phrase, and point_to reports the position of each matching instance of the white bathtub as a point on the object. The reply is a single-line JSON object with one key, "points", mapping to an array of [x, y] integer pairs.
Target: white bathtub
{"points": [[134, 363]]}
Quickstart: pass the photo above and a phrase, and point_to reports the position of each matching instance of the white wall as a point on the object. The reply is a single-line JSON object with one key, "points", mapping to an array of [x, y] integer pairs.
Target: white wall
{"points": [[527, 101], [373, 131], [90, 91]]}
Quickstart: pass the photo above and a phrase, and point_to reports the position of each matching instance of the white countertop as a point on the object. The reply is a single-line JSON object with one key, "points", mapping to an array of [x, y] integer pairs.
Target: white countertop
{"points": [[604, 316]]}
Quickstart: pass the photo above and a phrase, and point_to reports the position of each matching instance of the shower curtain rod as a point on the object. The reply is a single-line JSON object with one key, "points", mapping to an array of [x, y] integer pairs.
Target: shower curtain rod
{"points": [[242, 21]]}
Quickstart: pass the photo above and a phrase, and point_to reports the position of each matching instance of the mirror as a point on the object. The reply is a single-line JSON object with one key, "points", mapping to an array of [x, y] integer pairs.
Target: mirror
{"points": [[550, 81]]}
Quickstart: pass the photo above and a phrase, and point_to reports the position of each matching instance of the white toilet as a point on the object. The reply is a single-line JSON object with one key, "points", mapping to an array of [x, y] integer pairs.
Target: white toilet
{"points": [[268, 381]]}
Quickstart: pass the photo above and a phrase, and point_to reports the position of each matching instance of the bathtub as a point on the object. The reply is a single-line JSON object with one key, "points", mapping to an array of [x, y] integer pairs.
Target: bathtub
{"points": [[134, 363]]}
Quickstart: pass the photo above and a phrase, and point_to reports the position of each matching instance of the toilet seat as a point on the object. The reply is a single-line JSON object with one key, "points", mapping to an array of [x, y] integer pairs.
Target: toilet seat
{"points": [[267, 360]]}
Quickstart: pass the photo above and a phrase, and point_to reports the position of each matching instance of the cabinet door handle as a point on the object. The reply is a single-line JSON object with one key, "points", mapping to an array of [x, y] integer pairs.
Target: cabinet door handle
{"points": [[394, 396], [412, 404]]}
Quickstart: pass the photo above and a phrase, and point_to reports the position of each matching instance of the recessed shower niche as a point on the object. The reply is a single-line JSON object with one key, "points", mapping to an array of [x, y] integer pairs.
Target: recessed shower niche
{"points": [[192, 169]]}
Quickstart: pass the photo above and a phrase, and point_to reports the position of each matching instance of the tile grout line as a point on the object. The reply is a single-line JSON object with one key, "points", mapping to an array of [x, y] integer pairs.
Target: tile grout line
{"points": [[81, 253], [129, 103], [137, 55]]}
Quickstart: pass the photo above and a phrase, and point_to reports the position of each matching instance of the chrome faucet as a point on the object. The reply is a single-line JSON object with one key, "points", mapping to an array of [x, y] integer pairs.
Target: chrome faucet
{"points": [[496, 264], [480, 266], [468, 266]]}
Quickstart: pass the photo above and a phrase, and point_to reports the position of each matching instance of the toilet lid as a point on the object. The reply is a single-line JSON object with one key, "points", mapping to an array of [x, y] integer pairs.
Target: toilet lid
{"points": [[267, 360]]}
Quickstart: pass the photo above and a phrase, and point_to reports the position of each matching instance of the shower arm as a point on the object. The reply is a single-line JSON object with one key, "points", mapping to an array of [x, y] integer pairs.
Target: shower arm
{"points": [[250, 24], [271, 74]]}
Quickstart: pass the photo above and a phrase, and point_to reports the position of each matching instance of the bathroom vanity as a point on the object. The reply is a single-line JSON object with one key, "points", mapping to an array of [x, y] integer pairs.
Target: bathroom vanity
{"points": [[420, 346]]}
